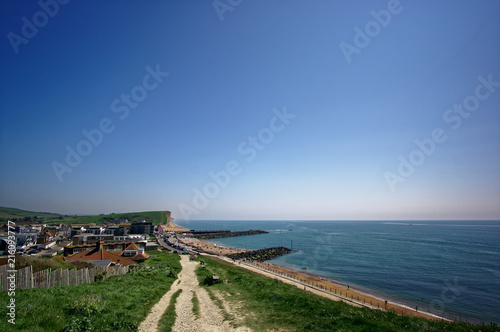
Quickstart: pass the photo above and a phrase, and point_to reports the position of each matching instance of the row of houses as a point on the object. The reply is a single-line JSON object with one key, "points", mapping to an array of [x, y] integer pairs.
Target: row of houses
{"points": [[122, 244], [123, 229], [118, 253]]}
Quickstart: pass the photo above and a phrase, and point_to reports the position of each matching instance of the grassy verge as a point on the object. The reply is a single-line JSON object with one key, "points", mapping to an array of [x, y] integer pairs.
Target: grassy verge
{"points": [[167, 320], [44, 263], [279, 306], [115, 304], [196, 306]]}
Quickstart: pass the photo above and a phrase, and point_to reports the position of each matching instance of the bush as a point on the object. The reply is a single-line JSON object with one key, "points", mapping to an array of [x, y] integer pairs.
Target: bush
{"points": [[209, 281], [123, 325], [82, 264], [206, 277], [78, 324], [86, 305]]}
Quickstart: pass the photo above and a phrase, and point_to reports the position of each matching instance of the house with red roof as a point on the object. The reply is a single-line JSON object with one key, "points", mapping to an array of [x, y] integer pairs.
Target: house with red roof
{"points": [[131, 255]]}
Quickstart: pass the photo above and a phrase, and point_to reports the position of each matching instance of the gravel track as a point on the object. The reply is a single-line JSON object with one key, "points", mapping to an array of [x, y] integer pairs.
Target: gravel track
{"points": [[211, 317]]}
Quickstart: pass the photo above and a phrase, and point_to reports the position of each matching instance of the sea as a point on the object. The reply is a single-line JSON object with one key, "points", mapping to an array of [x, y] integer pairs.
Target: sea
{"points": [[447, 268]]}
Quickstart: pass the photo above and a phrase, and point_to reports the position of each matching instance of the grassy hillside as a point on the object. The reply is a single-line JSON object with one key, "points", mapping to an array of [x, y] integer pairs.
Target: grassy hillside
{"points": [[15, 214], [121, 303], [115, 304], [151, 216], [269, 304]]}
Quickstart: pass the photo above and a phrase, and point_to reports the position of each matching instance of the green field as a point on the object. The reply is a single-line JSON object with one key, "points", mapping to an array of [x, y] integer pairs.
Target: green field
{"points": [[115, 304], [17, 214], [13, 213]]}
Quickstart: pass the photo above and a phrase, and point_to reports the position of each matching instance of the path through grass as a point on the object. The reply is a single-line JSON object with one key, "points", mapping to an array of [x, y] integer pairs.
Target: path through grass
{"points": [[168, 318], [123, 301]]}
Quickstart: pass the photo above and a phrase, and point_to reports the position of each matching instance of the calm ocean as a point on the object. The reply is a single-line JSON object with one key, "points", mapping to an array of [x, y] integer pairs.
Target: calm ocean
{"points": [[449, 268]]}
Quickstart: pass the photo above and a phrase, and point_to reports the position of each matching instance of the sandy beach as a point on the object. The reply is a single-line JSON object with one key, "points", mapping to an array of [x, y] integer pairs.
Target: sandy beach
{"points": [[308, 282], [209, 247], [174, 228]]}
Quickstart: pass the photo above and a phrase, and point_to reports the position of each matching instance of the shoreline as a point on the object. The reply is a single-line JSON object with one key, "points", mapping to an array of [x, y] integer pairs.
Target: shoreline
{"points": [[309, 282], [339, 291]]}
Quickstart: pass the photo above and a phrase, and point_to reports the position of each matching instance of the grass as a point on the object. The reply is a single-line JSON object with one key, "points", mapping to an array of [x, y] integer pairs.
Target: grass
{"points": [[151, 216], [196, 305], [167, 320], [44, 263], [279, 306], [123, 301], [14, 214]]}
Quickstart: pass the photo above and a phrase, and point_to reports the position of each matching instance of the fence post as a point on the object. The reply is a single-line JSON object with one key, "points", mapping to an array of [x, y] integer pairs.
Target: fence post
{"points": [[31, 283], [49, 275]]}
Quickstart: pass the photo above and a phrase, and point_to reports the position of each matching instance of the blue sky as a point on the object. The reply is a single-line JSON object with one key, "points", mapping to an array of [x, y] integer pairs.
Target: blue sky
{"points": [[263, 96]]}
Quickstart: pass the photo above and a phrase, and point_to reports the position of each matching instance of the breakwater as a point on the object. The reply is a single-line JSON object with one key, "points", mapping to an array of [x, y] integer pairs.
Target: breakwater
{"points": [[261, 254], [206, 235]]}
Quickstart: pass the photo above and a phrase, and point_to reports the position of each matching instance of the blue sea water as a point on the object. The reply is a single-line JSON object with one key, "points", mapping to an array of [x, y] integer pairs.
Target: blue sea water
{"points": [[449, 268]]}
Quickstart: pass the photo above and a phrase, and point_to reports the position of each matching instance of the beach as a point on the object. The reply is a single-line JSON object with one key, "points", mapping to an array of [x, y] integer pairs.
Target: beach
{"points": [[210, 247], [174, 228], [447, 268], [309, 282]]}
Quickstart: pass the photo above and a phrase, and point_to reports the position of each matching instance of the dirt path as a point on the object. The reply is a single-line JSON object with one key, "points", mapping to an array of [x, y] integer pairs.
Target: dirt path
{"points": [[211, 317]]}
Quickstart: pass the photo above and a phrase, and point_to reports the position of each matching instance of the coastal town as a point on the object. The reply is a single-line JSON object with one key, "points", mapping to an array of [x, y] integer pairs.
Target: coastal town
{"points": [[117, 242], [118, 246]]}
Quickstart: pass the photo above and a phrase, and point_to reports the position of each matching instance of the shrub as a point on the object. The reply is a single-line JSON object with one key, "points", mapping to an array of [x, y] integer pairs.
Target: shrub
{"points": [[123, 325], [209, 281], [78, 324], [82, 264], [86, 305]]}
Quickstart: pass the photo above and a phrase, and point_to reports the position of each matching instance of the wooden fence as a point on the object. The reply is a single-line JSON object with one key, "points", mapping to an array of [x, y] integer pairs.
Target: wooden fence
{"points": [[25, 278]]}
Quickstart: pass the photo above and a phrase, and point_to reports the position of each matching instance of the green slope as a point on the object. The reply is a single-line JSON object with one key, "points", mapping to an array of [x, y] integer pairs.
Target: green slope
{"points": [[270, 305], [118, 303], [18, 214], [6, 212]]}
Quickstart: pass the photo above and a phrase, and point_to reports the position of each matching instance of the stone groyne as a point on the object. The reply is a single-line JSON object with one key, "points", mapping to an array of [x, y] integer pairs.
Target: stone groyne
{"points": [[206, 235], [261, 254]]}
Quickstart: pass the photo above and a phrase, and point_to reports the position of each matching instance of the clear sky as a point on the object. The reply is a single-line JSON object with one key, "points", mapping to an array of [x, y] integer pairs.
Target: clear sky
{"points": [[252, 109]]}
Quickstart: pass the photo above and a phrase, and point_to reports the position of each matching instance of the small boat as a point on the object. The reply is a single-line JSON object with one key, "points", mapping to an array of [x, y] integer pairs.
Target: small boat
{"points": [[304, 268]]}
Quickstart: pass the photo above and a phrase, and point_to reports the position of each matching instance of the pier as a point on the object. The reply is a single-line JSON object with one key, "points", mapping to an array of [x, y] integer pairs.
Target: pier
{"points": [[261, 254], [206, 235]]}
